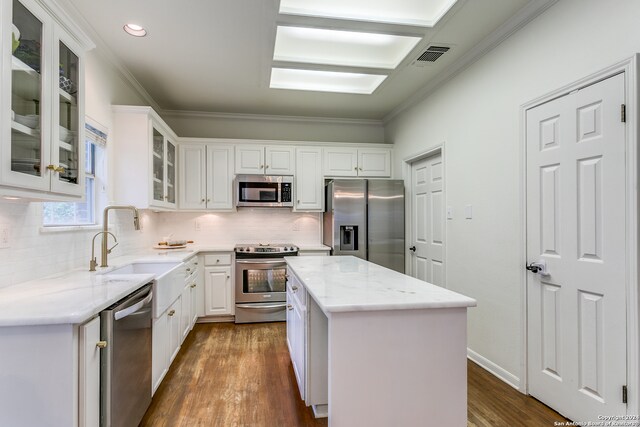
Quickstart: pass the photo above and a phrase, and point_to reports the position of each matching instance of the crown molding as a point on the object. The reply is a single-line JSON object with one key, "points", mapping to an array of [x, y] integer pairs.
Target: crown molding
{"points": [[525, 15], [266, 117]]}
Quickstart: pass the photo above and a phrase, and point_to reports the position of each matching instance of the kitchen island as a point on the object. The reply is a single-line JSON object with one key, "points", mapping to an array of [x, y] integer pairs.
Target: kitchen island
{"points": [[380, 347]]}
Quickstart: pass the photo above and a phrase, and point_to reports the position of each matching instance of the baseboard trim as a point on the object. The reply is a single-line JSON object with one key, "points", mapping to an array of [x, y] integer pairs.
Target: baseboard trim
{"points": [[494, 369], [216, 319]]}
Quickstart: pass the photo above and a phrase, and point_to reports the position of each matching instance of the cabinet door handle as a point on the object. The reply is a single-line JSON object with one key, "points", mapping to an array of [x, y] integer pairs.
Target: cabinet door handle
{"points": [[171, 313], [360, 168], [289, 307], [202, 201], [261, 166], [355, 169], [101, 344], [228, 277], [294, 288], [208, 200], [193, 285], [188, 269]]}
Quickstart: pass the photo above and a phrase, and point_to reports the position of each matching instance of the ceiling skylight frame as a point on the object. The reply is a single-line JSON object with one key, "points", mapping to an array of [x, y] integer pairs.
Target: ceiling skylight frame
{"points": [[315, 80], [339, 47], [399, 12]]}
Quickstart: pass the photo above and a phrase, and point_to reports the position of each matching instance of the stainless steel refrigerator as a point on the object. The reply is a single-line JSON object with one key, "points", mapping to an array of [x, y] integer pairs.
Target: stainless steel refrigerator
{"points": [[365, 218]]}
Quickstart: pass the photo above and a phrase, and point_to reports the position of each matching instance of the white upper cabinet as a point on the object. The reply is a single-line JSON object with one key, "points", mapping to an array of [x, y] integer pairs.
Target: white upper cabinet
{"points": [[146, 155], [361, 162], [309, 182], [42, 95], [265, 160], [206, 177]]}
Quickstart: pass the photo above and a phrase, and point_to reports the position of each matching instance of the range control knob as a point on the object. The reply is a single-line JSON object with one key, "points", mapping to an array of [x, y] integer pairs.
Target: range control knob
{"points": [[247, 249], [241, 249]]}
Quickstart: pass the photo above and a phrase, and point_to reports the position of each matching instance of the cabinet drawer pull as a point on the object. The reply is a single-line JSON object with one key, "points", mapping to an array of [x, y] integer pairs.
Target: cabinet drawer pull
{"points": [[193, 285], [289, 307], [294, 288], [101, 344], [188, 269], [171, 313]]}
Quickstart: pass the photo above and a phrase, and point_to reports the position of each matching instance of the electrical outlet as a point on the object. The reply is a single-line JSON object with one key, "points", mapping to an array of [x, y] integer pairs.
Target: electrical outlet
{"points": [[468, 211], [449, 212], [296, 226], [197, 224], [5, 236]]}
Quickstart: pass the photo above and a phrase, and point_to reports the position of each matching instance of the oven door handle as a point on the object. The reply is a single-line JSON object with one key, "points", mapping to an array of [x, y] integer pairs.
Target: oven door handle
{"points": [[259, 307], [261, 261]]}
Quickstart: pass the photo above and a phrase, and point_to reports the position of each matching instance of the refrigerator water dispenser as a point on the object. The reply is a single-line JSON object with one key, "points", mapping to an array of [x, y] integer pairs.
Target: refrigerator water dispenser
{"points": [[348, 237]]}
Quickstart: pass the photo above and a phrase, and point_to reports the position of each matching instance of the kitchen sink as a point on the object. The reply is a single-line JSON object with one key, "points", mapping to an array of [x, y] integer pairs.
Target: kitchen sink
{"points": [[167, 283], [157, 268]]}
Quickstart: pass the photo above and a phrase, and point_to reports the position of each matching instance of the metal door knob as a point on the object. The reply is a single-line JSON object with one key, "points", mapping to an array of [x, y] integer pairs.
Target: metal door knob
{"points": [[171, 313], [101, 344], [412, 248], [194, 285], [289, 307]]}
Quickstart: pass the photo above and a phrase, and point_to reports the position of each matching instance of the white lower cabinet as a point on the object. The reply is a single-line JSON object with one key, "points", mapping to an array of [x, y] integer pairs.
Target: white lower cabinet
{"points": [[166, 339], [296, 330], [218, 297], [307, 340], [89, 374], [218, 284]]}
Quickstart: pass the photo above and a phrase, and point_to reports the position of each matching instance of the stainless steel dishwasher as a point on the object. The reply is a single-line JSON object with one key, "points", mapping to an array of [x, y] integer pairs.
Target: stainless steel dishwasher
{"points": [[125, 364]]}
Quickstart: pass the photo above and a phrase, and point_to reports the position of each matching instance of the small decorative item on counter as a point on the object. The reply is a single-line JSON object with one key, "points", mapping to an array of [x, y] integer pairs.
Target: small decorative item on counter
{"points": [[172, 244], [15, 38]]}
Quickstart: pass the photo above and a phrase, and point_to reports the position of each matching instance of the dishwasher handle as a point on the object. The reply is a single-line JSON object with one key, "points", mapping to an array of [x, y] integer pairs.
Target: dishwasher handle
{"points": [[121, 314]]}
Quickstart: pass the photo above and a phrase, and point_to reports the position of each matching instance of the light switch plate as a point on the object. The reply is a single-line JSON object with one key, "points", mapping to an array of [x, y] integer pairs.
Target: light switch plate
{"points": [[468, 212], [197, 224], [5, 236], [449, 212]]}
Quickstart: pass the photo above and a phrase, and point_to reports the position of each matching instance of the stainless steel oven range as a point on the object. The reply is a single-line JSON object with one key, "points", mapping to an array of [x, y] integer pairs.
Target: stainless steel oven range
{"points": [[261, 277]]}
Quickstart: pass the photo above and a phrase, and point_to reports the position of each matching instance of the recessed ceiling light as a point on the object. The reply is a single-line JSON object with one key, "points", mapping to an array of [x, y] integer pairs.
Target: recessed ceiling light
{"points": [[10, 198], [325, 81], [135, 30], [424, 13], [337, 47]]}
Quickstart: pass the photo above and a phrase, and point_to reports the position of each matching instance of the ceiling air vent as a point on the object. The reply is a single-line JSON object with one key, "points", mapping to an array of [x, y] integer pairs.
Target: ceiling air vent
{"points": [[431, 55]]}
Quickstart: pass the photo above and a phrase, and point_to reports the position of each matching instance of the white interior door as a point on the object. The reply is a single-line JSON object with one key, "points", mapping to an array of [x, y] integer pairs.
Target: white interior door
{"points": [[576, 224], [427, 220]]}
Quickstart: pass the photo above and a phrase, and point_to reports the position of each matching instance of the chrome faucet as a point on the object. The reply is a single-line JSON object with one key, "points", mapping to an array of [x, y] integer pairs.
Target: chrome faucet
{"points": [[105, 229], [93, 263]]}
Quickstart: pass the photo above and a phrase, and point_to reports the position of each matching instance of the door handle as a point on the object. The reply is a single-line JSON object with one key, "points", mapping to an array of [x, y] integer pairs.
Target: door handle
{"points": [[538, 267], [412, 248]]}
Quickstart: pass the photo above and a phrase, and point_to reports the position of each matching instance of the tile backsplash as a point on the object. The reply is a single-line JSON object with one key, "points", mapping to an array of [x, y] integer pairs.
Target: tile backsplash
{"points": [[247, 225], [36, 252]]}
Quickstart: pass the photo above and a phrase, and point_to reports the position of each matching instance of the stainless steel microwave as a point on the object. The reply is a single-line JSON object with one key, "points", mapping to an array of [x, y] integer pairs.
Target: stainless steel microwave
{"points": [[264, 191]]}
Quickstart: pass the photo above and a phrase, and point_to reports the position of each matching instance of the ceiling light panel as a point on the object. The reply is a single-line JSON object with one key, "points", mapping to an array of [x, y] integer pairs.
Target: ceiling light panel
{"points": [[325, 81], [424, 13], [346, 48]]}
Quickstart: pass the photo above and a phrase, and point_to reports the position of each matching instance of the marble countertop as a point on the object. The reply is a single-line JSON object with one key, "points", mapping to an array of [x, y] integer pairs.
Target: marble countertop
{"points": [[347, 283], [76, 296]]}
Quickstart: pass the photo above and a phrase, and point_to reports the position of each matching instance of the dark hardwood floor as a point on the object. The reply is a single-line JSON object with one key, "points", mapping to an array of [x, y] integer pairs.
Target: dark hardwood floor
{"points": [[240, 375]]}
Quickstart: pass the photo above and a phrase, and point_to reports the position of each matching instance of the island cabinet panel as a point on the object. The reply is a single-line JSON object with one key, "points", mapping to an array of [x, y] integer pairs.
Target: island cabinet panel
{"points": [[412, 369]]}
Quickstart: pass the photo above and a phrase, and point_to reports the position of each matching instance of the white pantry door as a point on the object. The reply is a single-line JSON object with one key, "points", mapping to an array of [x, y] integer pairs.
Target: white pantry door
{"points": [[427, 220], [576, 223]]}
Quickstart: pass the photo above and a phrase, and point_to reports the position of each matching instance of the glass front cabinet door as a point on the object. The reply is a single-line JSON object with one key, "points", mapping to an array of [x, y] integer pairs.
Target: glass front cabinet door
{"points": [[42, 72], [163, 153]]}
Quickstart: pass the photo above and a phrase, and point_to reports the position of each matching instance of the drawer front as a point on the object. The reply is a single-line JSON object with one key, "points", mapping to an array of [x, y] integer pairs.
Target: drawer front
{"points": [[217, 259]]}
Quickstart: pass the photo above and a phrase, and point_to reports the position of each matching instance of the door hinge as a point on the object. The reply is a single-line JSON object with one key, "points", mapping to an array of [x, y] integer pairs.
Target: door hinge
{"points": [[623, 113], [624, 394]]}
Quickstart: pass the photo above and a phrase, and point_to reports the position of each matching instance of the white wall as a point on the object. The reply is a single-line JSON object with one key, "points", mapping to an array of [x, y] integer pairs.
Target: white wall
{"points": [[477, 116], [246, 126]]}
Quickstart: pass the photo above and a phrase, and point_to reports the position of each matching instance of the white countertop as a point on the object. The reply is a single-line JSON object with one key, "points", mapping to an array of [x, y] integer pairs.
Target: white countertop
{"points": [[347, 283], [76, 296]]}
